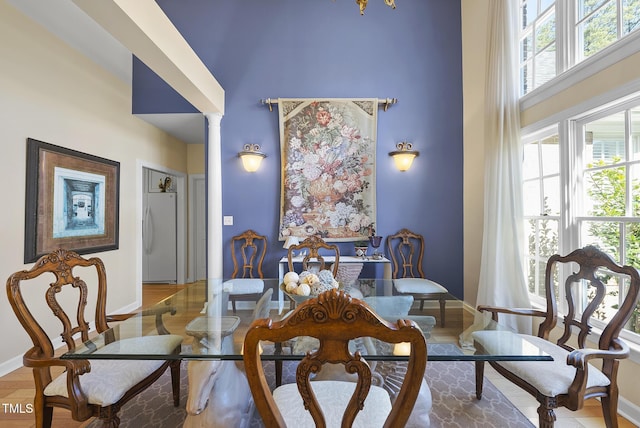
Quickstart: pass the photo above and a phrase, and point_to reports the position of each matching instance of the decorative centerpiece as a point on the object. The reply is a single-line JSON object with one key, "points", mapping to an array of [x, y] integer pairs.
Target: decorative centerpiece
{"points": [[300, 287]]}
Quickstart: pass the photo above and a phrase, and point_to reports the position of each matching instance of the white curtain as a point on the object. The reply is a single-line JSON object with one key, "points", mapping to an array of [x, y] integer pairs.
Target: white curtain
{"points": [[502, 281]]}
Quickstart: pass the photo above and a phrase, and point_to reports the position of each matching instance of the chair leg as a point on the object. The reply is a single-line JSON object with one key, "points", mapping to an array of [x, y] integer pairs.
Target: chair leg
{"points": [[233, 304], [278, 363], [610, 411], [443, 301], [479, 379], [44, 416], [175, 381], [421, 305], [112, 422], [546, 415]]}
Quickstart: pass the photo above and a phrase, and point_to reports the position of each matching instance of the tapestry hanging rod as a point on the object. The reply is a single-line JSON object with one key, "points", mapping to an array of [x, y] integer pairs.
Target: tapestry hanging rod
{"points": [[384, 102]]}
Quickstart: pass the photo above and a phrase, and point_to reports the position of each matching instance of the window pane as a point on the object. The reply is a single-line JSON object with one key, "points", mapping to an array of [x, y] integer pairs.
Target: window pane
{"points": [[530, 164], [526, 79], [635, 190], [545, 65], [632, 250], [604, 140], [548, 238], [551, 201], [599, 30], [529, 12], [630, 15], [635, 132], [605, 192], [531, 195], [526, 48], [544, 4], [546, 32], [604, 235], [585, 7], [550, 148]]}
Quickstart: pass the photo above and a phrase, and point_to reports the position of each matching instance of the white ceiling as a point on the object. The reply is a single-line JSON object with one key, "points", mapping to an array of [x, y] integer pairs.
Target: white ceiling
{"points": [[64, 19]]}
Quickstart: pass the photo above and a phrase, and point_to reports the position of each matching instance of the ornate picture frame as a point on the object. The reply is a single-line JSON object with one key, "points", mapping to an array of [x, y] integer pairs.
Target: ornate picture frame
{"points": [[71, 201]]}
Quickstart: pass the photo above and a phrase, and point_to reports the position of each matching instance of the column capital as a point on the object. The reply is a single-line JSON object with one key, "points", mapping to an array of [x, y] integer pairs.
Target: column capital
{"points": [[213, 118]]}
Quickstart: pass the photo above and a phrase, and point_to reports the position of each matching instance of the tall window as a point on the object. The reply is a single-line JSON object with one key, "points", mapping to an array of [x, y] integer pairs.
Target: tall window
{"points": [[609, 216], [556, 35], [583, 188], [541, 191]]}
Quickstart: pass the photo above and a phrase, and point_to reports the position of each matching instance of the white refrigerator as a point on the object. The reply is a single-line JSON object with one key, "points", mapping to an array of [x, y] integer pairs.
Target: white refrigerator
{"points": [[159, 260]]}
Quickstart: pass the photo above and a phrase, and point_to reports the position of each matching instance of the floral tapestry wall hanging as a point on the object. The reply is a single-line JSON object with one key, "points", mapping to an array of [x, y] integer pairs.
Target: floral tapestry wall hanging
{"points": [[328, 149]]}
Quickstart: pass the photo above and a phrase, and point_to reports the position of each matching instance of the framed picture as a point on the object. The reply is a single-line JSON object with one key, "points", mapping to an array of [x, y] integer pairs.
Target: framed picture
{"points": [[72, 201]]}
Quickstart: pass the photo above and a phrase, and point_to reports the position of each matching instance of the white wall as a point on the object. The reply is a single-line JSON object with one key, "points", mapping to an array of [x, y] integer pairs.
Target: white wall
{"points": [[50, 92]]}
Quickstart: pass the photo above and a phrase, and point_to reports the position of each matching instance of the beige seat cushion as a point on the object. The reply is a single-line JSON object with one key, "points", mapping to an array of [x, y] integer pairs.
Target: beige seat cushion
{"points": [[109, 380], [333, 397], [244, 286], [418, 286], [551, 378]]}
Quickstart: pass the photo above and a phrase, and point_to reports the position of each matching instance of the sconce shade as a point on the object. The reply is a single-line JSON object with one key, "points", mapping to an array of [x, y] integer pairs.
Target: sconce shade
{"points": [[404, 155], [251, 157], [291, 240]]}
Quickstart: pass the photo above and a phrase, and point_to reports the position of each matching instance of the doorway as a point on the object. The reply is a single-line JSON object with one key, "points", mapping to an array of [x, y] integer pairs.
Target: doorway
{"points": [[180, 186]]}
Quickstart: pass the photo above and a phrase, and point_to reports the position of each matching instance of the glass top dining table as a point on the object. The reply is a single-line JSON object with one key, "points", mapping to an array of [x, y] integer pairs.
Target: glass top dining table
{"points": [[200, 314]]}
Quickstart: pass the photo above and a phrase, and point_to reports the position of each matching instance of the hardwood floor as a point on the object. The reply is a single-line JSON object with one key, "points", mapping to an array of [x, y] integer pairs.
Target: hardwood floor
{"points": [[16, 392]]}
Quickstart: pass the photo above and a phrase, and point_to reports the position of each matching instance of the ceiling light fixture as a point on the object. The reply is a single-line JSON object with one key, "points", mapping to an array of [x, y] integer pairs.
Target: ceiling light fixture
{"points": [[363, 4]]}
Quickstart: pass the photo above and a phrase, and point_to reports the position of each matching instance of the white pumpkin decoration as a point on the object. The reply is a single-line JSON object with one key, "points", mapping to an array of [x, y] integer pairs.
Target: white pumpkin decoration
{"points": [[291, 277], [303, 290], [290, 287]]}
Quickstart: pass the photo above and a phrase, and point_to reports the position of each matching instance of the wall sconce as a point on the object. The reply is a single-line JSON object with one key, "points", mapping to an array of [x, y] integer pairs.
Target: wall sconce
{"points": [[404, 156], [251, 157]]}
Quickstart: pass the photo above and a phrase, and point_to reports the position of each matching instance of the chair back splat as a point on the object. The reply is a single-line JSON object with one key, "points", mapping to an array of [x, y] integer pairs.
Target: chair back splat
{"points": [[334, 318], [248, 251], [313, 245]]}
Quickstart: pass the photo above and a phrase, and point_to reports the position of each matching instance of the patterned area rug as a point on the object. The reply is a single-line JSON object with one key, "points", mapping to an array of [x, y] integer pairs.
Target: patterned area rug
{"points": [[452, 387]]}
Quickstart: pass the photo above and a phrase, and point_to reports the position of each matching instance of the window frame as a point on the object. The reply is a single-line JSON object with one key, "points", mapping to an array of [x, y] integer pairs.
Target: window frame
{"points": [[568, 72], [570, 132]]}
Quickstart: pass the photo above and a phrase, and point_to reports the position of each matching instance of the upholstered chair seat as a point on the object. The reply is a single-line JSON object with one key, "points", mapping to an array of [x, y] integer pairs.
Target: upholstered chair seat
{"points": [[417, 286], [333, 397], [551, 378]]}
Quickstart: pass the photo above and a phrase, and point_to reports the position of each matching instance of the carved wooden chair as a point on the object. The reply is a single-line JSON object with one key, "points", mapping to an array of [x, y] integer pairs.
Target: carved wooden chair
{"points": [[406, 250], [313, 259], [97, 388], [334, 318], [247, 252], [571, 378]]}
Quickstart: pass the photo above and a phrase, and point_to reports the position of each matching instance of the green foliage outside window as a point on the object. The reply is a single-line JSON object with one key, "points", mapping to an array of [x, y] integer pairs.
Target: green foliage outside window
{"points": [[608, 192], [601, 29]]}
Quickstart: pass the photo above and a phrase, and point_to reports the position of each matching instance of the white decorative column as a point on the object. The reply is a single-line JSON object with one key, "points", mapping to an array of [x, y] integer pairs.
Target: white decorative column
{"points": [[214, 200]]}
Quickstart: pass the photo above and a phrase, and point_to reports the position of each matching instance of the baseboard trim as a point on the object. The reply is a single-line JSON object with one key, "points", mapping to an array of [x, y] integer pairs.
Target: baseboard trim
{"points": [[629, 410]]}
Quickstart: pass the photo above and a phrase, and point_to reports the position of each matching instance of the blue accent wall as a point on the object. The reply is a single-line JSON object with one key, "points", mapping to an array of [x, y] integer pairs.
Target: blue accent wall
{"points": [[323, 48]]}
